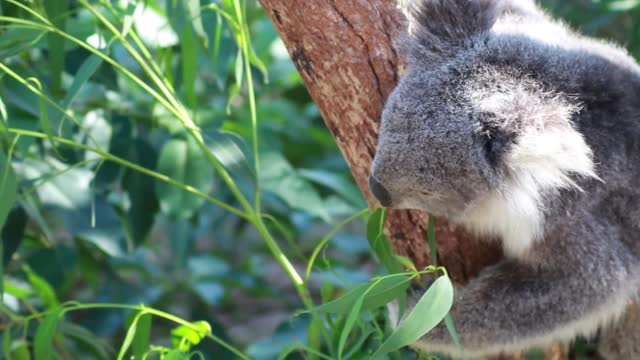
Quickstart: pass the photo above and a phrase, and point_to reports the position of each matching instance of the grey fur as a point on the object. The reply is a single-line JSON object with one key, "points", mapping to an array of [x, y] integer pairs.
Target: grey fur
{"points": [[503, 108]]}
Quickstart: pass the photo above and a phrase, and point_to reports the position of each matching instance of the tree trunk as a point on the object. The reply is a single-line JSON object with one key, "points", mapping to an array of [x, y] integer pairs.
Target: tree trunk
{"points": [[346, 55]]}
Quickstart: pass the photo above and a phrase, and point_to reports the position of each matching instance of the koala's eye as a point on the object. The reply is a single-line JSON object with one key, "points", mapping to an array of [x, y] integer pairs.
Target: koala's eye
{"points": [[496, 142]]}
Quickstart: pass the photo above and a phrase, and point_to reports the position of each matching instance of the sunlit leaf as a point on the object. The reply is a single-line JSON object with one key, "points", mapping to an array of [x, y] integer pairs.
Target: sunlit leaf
{"points": [[43, 342], [16, 290], [176, 354], [45, 292], [154, 28], [226, 147], [183, 337], [623, 5], [137, 337], [432, 307]]}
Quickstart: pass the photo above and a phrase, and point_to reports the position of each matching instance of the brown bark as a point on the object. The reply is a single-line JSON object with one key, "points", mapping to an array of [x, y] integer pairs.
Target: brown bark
{"points": [[346, 55]]}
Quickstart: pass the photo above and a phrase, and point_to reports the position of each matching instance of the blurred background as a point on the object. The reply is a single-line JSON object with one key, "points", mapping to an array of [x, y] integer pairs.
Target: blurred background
{"points": [[85, 228]]}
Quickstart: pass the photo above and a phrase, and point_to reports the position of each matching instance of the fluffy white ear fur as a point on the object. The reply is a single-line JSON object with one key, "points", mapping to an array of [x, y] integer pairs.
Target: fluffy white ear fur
{"points": [[542, 161]]}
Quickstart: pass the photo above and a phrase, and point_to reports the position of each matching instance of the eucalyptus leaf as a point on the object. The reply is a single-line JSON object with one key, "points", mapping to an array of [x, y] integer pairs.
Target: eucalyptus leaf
{"points": [[44, 291], [183, 161], [43, 341], [228, 148], [183, 337], [8, 188], [432, 307], [278, 176], [375, 293]]}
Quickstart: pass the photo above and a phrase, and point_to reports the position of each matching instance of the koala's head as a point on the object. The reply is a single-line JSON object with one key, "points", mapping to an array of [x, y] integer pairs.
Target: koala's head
{"points": [[469, 135]]}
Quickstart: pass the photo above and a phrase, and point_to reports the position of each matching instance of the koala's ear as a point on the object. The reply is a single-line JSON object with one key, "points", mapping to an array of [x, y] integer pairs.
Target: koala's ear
{"points": [[440, 28]]}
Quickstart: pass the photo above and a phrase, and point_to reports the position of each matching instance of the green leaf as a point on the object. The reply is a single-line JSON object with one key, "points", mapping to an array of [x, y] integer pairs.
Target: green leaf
{"points": [[278, 176], [338, 184], [43, 342], [20, 351], [176, 354], [56, 12], [349, 322], [380, 244], [97, 346], [183, 337], [623, 5], [4, 118], [144, 202], [8, 188], [16, 39], [12, 234], [42, 288], [15, 290], [375, 224], [448, 321], [84, 73], [227, 148], [376, 292], [137, 337], [182, 161], [128, 17], [189, 47], [255, 61], [140, 344], [432, 307], [6, 342]]}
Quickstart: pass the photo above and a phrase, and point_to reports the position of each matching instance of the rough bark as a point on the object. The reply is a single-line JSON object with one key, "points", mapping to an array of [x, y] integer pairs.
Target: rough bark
{"points": [[346, 55]]}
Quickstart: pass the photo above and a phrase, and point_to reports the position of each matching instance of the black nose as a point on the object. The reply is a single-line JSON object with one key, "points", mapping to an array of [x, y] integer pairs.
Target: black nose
{"points": [[379, 192]]}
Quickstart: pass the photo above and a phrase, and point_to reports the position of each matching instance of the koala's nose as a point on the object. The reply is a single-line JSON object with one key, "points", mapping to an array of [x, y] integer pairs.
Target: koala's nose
{"points": [[379, 192]]}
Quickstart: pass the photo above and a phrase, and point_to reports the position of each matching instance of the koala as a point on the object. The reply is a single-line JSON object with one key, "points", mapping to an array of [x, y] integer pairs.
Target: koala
{"points": [[511, 125]]}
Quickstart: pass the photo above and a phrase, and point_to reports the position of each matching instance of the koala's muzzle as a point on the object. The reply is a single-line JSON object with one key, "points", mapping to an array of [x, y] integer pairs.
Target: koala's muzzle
{"points": [[379, 192]]}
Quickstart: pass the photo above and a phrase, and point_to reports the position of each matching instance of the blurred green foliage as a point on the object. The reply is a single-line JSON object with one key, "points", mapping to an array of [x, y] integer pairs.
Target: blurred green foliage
{"points": [[113, 188]]}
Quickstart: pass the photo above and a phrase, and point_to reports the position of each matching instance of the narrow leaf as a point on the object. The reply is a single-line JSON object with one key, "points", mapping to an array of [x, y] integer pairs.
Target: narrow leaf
{"points": [[56, 12], [97, 346], [43, 342], [140, 344], [131, 333], [8, 188], [378, 292], [189, 47], [84, 73], [432, 307], [42, 288], [349, 322]]}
